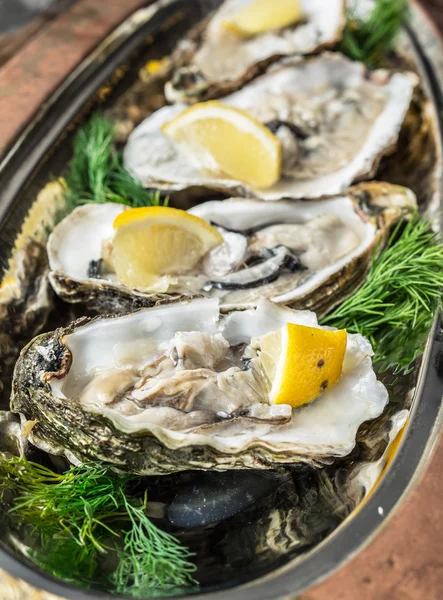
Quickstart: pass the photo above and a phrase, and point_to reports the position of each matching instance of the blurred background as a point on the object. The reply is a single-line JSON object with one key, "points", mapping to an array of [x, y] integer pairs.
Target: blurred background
{"points": [[435, 8], [20, 19]]}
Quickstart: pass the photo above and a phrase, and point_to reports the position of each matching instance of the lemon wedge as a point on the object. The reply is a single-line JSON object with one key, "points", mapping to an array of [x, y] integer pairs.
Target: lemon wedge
{"points": [[301, 362], [263, 15], [228, 142], [151, 242]]}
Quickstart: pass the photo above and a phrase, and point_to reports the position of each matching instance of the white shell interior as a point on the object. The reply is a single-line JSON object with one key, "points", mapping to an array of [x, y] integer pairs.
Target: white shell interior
{"points": [[326, 426], [239, 214], [156, 160], [78, 239], [225, 55]]}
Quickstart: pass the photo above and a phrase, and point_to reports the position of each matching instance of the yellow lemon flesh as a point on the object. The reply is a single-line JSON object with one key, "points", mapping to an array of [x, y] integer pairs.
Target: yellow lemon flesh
{"points": [[228, 142], [151, 242], [302, 362], [263, 15]]}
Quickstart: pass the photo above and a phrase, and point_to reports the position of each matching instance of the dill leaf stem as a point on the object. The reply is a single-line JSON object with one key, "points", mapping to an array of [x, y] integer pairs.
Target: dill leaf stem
{"points": [[97, 174], [395, 306], [78, 514], [371, 37]]}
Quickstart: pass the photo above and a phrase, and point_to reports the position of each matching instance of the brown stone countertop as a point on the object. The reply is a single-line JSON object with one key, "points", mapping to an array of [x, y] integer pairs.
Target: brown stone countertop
{"points": [[405, 561]]}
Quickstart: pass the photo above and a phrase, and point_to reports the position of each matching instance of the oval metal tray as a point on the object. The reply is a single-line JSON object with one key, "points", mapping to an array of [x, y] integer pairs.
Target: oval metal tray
{"points": [[32, 157]]}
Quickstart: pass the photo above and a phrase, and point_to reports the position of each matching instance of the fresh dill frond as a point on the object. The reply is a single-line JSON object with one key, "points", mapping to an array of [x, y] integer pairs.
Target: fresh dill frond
{"points": [[96, 172], [371, 38], [395, 306], [82, 515], [150, 558]]}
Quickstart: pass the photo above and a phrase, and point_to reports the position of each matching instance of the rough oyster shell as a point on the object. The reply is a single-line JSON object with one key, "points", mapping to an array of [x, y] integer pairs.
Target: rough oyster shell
{"points": [[56, 370], [367, 212], [11, 439], [335, 120], [26, 299], [364, 476], [223, 60]]}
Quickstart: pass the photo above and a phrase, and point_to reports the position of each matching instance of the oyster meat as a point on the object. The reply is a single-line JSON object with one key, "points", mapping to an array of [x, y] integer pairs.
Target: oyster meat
{"points": [[224, 59], [301, 254], [180, 387], [334, 120]]}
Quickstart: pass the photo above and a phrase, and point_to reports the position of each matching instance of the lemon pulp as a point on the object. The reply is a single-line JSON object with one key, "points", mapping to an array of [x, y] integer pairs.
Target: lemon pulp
{"points": [[227, 142], [301, 362], [151, 242], [263, 15]]}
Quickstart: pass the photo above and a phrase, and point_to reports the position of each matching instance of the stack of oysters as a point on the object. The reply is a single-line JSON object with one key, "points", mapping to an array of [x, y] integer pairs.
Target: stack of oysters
{"points": [[168, 379]]}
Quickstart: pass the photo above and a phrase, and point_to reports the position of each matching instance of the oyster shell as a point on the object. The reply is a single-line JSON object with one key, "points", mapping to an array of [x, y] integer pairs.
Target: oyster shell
{"points": [[74, 251], [180, 387], [301, 254], [223, 60], [26, 299], [335, 120], [364, 476], [11, 439]]}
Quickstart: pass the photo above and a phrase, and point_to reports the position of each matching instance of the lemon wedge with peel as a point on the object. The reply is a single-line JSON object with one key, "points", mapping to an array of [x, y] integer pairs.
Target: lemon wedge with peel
{"points": [[227, 142], [151, 242], [263, 15], [301, 362]]}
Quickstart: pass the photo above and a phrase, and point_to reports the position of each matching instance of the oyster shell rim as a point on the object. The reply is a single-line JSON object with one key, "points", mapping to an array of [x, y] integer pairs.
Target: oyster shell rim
{"points": [[60, 420], [221, 88], [237, 188], [107, 296]]}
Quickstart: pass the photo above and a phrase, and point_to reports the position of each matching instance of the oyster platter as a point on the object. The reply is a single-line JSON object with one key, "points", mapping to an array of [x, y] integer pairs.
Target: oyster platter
{"points": [[214, 312]]}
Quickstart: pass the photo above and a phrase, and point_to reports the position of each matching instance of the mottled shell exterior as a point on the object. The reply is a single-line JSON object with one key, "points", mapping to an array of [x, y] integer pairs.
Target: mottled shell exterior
{"points": [[26, 299], [106, 297]]}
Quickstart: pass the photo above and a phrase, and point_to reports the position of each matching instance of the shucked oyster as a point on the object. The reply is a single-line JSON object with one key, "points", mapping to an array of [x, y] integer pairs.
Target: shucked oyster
{"points": [[227, 56], [301, 254], [334, 121], [181, 387]]}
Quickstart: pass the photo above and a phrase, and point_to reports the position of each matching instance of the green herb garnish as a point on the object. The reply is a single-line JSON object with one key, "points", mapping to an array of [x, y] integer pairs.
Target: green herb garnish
{"points": [[86, 513], [395, 306], [148, 553], [371, 39], [96, 171]]}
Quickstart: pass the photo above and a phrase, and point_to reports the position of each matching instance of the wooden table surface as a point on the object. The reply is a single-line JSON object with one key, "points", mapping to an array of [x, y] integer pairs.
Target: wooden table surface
{"points": [[405, 561]]}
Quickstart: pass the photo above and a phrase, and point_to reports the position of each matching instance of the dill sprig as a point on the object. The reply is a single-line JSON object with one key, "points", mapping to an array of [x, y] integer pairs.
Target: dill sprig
{"points": [[150, 557], [96, 171], [370, 39], [395, 306], [83, 514]]}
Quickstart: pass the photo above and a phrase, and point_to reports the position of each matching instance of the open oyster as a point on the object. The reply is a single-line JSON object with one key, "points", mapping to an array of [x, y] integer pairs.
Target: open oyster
{"points": [[301, 254], [225, 58], [181, 387], [77, 248], [333, 118]]}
